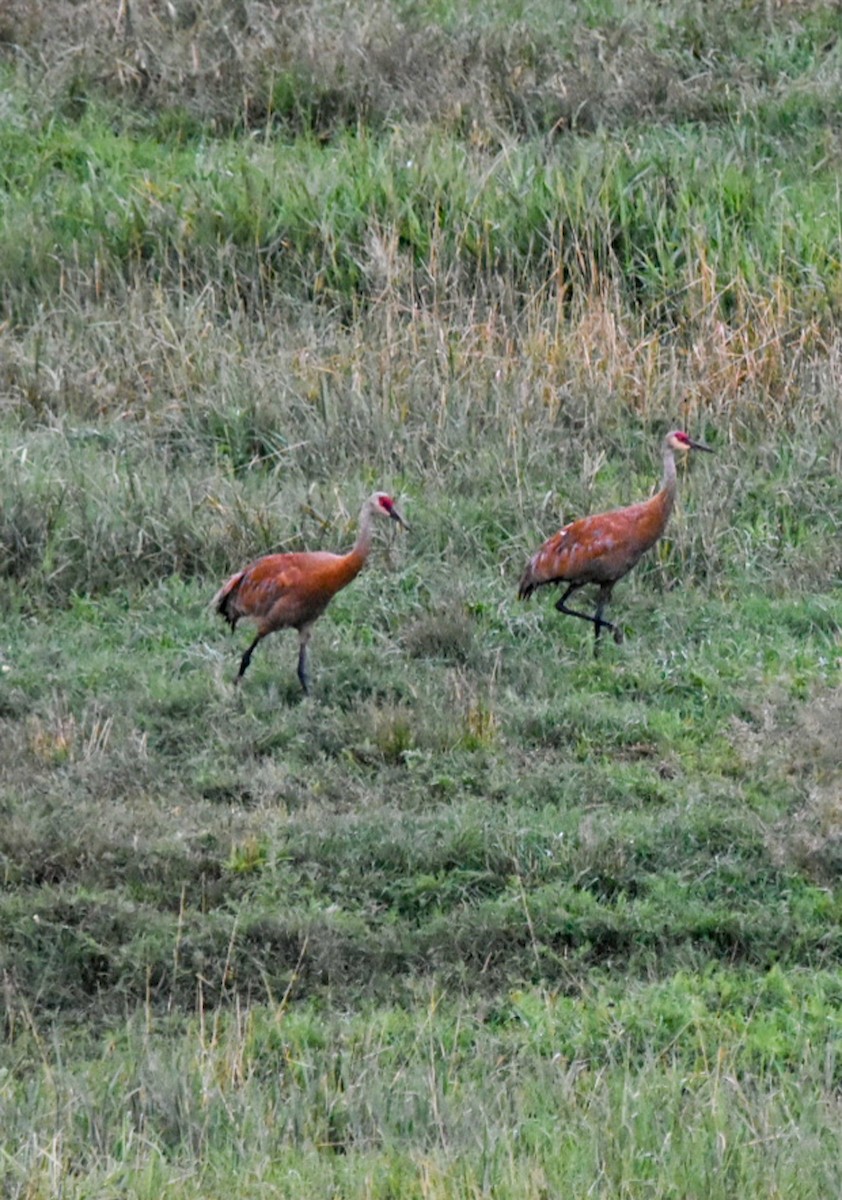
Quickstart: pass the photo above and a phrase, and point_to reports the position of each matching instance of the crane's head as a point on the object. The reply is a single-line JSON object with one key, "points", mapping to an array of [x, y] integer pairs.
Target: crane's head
{"points": [[384, 506], [677, 440]]}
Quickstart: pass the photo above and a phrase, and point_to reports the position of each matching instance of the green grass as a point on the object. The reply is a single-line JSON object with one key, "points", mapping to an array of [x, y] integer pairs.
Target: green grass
{"points": [[645, 1089], [398, 210], [485, 915], [483, 829]]}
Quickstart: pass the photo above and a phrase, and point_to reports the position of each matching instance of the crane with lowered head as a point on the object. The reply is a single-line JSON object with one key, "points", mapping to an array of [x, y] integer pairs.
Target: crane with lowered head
{"points": [[291, 591], [602, 548]]}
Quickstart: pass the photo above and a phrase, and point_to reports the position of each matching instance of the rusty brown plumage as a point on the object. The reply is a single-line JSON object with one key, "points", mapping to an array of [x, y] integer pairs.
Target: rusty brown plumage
{"points": [[291, 591], [602, 548]]}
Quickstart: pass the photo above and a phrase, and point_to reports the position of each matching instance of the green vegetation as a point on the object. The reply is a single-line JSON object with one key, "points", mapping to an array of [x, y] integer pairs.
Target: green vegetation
{"points": [[486, 916]]}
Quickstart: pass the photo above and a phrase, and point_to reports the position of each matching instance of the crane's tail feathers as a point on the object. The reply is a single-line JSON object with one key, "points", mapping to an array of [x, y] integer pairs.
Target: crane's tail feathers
{"points": [[222, 600], [528, 583]]}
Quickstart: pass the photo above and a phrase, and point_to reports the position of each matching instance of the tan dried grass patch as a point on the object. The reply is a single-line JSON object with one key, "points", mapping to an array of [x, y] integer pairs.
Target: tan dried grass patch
{"points": [[805, 748]]}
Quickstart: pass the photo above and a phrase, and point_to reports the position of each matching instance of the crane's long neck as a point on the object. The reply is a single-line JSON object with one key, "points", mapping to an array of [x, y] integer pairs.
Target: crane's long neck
{"points": [[362, 546], [667, 492], [355, 559]]}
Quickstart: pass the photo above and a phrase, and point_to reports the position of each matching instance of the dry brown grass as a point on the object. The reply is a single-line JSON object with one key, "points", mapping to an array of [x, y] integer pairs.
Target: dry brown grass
{"points": [[799, 747], [340, 64]]}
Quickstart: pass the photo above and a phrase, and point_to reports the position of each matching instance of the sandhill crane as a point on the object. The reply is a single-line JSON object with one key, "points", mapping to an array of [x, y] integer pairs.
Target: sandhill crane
{"points": [[604, 547], [283, 591]]}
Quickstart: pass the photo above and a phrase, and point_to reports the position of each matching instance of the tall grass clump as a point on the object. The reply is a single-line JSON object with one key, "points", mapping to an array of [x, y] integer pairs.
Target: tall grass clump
{"points": [[685, 227]]}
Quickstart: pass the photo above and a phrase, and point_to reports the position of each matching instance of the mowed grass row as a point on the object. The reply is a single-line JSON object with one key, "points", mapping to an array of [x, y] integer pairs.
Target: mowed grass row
{"points": [[469, 796]]}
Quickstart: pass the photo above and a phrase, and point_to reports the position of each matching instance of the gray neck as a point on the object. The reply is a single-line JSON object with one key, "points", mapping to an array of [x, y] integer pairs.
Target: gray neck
{"points": [[362, 545], [668, 477]]}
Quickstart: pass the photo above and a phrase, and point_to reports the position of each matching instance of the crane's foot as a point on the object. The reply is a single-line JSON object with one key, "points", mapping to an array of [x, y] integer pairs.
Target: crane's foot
{"points": [[616, 631]]}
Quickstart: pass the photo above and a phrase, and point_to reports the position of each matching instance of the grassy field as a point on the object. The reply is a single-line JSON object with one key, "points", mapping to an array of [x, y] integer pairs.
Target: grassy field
{"points": [[485, 915]]}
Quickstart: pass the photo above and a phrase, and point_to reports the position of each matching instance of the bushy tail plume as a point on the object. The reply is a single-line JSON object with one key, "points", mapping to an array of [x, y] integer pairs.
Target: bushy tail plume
{"points": [[222, 600], [528, 582]]}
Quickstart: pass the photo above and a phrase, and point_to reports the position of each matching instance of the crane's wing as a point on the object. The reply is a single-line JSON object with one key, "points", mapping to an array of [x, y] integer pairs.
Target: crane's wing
{"points": [[596, 549], [282, 587]]}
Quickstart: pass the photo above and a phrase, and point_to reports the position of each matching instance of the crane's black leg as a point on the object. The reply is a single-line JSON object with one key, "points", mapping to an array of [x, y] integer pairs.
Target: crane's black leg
{"points": [[597, 619], [303, 674], [561, 605], [602, 599], [246, 659]]}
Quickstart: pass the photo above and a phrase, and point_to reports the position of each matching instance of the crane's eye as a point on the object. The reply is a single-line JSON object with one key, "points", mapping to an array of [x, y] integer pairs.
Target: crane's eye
{"points": [[386, 503]]}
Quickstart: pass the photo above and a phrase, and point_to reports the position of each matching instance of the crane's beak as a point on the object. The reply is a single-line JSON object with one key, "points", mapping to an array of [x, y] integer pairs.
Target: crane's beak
{"points": [[699, 446], [396, 516]]}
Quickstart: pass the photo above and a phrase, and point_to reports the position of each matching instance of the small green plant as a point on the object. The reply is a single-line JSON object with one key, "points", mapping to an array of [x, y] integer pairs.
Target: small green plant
{"points": [[248, 856]]}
